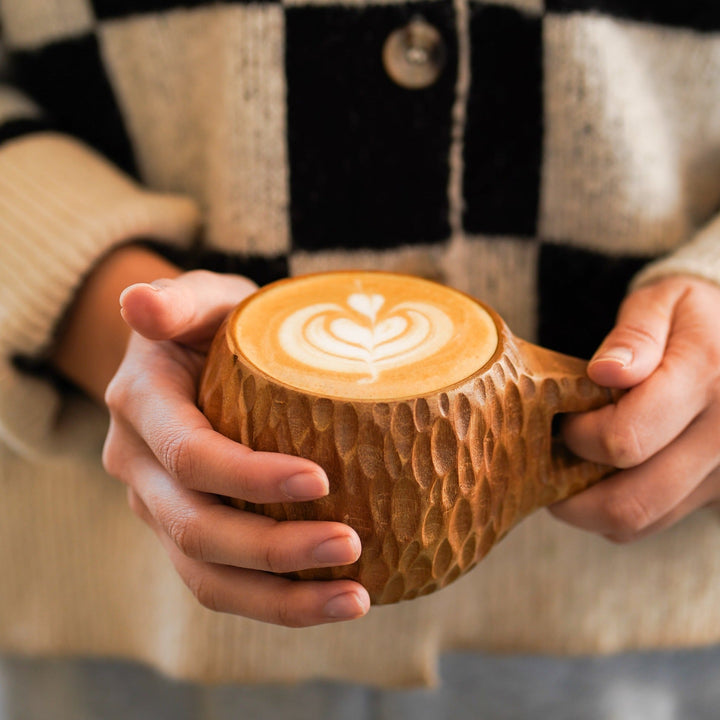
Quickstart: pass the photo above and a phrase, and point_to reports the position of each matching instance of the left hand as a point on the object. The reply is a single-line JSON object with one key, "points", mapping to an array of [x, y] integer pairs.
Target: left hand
{"points": [[664, 432]]}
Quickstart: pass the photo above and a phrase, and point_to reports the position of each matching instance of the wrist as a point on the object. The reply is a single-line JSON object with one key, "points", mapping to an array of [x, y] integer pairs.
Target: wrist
{"points": [[92, 336]]}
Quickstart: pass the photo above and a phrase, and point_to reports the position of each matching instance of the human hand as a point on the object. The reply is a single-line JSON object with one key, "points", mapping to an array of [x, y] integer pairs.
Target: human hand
{"points": [[664, 433], [177, 469]]}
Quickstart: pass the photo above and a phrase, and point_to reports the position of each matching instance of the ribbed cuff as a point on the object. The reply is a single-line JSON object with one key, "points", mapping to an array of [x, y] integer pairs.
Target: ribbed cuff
{"points": [[700, 257], [62, 207]]}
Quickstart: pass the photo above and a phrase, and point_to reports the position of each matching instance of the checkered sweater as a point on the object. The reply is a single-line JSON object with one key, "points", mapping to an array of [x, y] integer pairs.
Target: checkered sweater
{"points": [[565, 146]]}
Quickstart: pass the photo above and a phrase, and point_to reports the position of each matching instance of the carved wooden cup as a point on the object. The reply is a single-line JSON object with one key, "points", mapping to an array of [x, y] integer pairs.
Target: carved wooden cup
{"points": [[430, 481]]}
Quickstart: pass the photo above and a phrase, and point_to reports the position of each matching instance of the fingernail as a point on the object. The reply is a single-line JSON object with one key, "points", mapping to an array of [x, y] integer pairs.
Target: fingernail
{"points": [[134, 285], [337, 551], [347, 605], [306, 486], [620, 355]]}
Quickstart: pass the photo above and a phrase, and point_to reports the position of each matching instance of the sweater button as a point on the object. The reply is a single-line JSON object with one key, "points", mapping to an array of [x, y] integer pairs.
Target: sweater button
{"points": [[414, 55]]}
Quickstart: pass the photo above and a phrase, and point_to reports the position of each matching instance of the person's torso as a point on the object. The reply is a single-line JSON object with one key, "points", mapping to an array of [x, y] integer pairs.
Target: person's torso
{"points": [[533, 153]]}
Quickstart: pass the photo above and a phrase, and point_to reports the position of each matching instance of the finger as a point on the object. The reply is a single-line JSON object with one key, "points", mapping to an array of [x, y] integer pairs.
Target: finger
{"points": [[204, 528], [207, 461], [185, 444], [625, 504], [635, 347], [186, 309], [260, 595], [270, 598], [705, 494], [139, 507], [644, 420]]}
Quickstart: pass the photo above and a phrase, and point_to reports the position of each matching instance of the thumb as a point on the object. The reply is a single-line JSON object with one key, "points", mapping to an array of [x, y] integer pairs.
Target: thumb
{"points": [[634, 348], [187, 309]]}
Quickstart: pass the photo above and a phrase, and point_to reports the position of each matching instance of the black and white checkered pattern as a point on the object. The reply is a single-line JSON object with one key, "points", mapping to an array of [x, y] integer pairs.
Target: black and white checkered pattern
{"points": [[356, 162]]}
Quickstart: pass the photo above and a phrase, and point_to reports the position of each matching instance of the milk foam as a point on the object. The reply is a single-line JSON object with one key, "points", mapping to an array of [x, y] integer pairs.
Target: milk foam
{"points": [[362, 337]]}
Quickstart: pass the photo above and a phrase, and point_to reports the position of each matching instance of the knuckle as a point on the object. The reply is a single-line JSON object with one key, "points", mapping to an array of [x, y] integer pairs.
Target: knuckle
{"points": [[110, 395], [112, 456], [117, 393], [175, 452], [109, 461], [285, 613], [622, 445], [202, 587], [185, 531], [626, 516], [276, 559], [634, 333]]}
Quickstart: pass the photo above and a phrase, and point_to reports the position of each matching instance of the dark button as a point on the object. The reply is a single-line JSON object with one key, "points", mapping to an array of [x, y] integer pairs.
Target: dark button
{"points": [[414, 55]]}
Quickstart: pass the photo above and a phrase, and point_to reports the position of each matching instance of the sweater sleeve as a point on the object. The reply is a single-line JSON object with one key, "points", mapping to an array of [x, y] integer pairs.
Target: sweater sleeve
{"points": [[699, 257], [62, 207]]}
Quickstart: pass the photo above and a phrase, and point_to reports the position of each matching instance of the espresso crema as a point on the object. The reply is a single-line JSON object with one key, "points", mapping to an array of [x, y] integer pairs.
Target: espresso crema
{"points": [[363, 335]]}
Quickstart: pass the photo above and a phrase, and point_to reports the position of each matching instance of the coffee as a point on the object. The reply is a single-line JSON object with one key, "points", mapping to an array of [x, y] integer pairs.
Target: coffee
{"points": [[364, 335]]}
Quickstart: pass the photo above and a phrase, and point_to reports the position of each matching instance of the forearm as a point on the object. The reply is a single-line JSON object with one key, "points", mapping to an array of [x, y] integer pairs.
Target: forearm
{"points": [[93, 335]]}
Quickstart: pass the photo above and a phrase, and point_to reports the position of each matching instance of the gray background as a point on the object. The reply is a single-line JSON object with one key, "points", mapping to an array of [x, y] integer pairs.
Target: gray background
{"points": [[645, 686]]}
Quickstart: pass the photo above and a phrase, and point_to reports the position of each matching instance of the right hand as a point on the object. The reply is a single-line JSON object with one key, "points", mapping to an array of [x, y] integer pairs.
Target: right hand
{"points": [[178, 469]]}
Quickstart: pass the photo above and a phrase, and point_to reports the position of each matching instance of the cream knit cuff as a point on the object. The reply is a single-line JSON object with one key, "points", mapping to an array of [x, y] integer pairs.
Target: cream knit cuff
{"points": [[62, 207], [699, 257]]}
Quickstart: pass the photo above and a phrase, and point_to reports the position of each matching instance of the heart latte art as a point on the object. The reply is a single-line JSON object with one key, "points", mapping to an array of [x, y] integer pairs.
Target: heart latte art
{"points": [[364, 335], [355, 338]]}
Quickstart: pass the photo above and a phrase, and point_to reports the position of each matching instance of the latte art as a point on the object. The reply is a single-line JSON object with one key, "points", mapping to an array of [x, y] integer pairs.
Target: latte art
{"points": [[359, 339], [361, 335]]}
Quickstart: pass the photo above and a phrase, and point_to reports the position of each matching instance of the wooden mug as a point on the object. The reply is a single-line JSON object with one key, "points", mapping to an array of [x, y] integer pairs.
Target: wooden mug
{"points": [[431, 482]]}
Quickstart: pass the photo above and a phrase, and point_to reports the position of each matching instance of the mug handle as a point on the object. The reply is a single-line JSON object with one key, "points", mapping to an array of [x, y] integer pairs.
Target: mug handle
{"points": [[563, 386]]}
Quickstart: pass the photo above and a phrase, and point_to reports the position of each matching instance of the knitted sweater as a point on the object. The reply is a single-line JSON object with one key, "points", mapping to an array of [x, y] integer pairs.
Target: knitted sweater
{"points": [[537, 154]]}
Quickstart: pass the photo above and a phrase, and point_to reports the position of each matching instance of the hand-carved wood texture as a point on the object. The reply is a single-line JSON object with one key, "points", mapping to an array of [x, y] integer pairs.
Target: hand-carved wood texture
{"points": [[430, 484]]}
